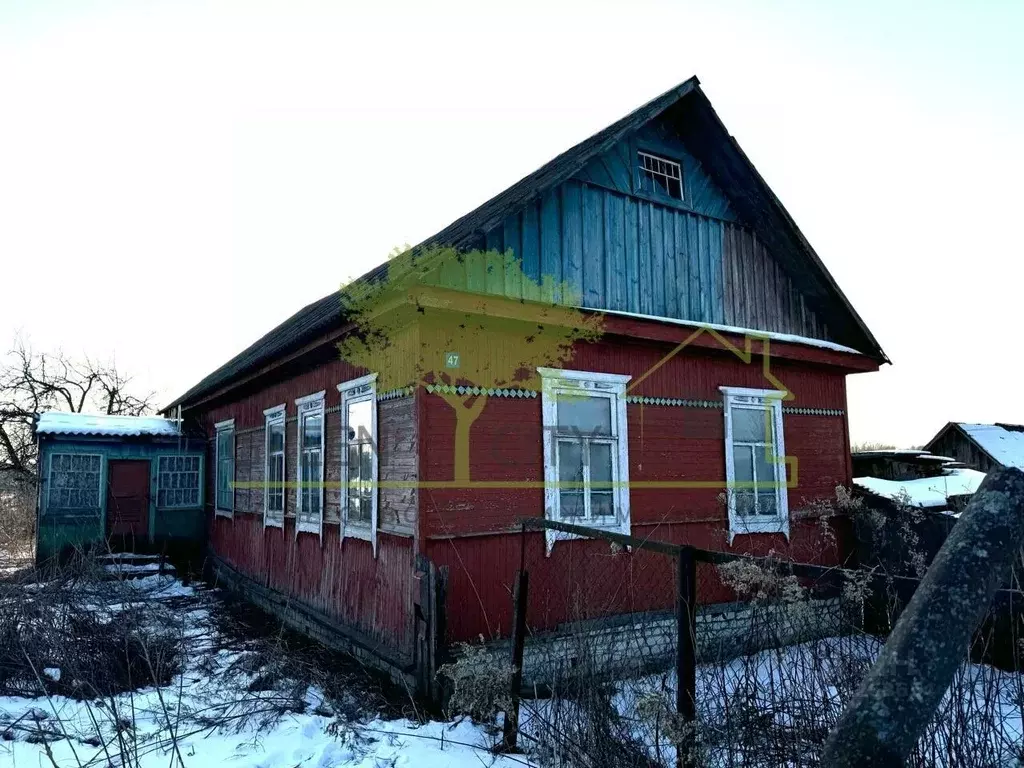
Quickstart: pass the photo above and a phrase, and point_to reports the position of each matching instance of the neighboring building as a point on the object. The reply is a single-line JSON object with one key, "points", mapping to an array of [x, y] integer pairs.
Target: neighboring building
{"points": [[661, 222], [983, 447], [130, 481]]}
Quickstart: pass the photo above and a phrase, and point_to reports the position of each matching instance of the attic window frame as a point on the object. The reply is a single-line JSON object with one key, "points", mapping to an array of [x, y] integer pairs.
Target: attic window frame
{"points": [[655, 188]]}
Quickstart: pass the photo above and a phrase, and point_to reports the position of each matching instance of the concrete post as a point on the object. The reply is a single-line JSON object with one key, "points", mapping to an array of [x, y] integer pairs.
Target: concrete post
{"points": [[901, 692]]}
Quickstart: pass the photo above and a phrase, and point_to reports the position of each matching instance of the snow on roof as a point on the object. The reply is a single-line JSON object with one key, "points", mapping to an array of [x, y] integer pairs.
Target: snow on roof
{"points": [[786, 337], [925, 491], [58, 423], [1004, 445]]}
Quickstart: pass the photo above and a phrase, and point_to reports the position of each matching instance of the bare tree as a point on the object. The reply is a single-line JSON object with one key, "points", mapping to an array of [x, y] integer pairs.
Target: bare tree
{"points": [[32, 382]]}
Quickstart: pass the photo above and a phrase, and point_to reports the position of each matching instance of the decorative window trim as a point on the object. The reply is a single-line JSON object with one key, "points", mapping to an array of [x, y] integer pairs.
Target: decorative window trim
{"points": [[612, 386], [309, 405], [354, 391], [779, 523], [199, 478], [101, 482], [271, 417], [228, 425]]}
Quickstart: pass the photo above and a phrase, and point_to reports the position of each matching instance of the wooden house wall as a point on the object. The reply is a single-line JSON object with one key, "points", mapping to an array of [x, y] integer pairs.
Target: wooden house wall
{"points": [[373, 597], [957, 446], [471, 530]]}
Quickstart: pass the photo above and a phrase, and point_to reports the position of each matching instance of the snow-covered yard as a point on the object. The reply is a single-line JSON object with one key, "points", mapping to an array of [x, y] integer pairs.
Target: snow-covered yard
{"points": [[233, 689], [233, 701]]}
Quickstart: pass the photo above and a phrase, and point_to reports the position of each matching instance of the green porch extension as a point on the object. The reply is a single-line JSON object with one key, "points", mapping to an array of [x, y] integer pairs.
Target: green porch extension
{"points": [[124, 482]]}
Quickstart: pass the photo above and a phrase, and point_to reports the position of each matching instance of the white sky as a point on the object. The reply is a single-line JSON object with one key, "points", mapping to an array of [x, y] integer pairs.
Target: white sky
{"points": [[176, 178]]}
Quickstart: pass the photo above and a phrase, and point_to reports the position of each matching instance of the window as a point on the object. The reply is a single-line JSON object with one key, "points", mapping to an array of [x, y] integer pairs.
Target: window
{"points": [[660, 175], [359, 457], [74, 481], [225, 481], [586, 471], [177, 482], [273, 494], [309, 513], [755, 466]]}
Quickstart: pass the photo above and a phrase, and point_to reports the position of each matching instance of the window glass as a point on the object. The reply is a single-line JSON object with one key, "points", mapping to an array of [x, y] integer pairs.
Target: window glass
{"points": [[589, 415], [360, 420], [177, 481], [748, 425]]}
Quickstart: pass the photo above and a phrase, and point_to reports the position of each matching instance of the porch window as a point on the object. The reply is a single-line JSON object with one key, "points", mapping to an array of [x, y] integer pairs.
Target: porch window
{"points": [[755, 466], [75, 481], [177, 482], [660, 175], [586, 467], [225, 481], [310, 509], [273, 494], [359, 457]]}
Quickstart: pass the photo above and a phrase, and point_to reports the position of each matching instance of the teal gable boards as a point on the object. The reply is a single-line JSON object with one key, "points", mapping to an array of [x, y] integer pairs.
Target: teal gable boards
{"points": [[630, 250]]}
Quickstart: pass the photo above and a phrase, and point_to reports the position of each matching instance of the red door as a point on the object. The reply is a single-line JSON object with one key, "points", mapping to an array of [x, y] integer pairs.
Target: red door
{"points": [[128, 499]]}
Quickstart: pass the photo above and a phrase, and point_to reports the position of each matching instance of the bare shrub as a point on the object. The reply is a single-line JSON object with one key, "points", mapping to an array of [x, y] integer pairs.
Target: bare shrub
{"points": [[480, 681], [97, 638], [17, 522]]}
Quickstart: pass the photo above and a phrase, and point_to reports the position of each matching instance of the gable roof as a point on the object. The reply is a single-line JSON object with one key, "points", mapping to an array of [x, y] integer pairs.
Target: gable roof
{"points": [[1003, 443], [716, 149]]}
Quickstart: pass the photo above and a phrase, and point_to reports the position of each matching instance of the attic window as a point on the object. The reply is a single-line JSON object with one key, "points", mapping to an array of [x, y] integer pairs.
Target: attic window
{"points": [[660, 175]]}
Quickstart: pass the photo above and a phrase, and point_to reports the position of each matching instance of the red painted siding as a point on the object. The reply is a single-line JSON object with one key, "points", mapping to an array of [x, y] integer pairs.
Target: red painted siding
{"points": [[374, 596], [345, 582], [666, 443]]}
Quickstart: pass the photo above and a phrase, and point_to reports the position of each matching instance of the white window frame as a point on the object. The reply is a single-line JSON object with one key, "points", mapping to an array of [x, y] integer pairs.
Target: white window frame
{"points": [[672, 164], [100, 488], [160, 473], [310, 405], [761, 399], [272, 417], [354, 391], [556, 381], [223, 426]]}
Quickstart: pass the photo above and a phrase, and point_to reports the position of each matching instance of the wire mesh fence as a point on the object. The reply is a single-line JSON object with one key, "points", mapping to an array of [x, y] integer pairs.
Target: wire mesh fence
{"points": [[644, 653]]}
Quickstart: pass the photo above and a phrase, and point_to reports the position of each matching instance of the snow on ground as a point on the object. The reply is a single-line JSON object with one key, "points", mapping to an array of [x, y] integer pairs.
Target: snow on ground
{"points": [[213, 715], [925, 491]]}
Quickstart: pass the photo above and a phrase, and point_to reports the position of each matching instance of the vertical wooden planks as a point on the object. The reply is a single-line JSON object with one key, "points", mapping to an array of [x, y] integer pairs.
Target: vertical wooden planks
{"points": [[681, 248], [572, 236], [644, 257], [551, 238], [657, 261], [617, 273], [514, 242], [530, 252], [693, 263], [632, 255], [594, 257], [494, 280], [668, 237]]}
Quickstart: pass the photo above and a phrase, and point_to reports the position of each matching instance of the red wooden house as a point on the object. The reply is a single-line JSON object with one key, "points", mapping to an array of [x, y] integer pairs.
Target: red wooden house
{"points": [[711, 410]]}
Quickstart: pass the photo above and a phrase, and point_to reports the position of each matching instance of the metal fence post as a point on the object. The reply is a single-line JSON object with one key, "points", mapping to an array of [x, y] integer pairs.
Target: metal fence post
{"points": [[686, 655]]}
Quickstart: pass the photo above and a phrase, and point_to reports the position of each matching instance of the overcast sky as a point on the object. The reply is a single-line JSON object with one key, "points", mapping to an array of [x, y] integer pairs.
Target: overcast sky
{"points": [[176, 178]]}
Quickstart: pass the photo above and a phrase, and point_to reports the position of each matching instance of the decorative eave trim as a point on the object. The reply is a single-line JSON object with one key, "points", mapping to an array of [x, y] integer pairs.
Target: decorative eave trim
{"points": [[812, 411], [446, 389], [644, 400], [394, 394]]}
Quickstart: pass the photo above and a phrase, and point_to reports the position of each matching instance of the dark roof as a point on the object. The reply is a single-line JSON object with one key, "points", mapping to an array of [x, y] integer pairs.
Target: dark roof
{"points": [[717, 150]]}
